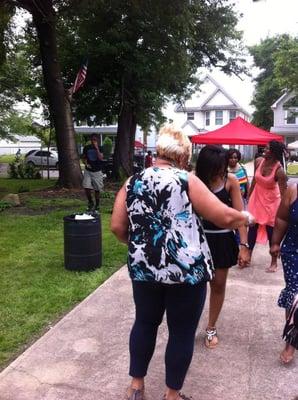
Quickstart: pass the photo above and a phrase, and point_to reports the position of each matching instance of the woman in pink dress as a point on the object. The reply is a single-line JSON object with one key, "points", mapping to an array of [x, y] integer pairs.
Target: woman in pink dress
{"points": [[268, 185]]}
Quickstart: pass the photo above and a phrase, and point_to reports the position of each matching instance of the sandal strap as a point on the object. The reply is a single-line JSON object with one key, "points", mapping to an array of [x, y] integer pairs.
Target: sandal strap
{"points": [[180, 396], [183, 397], [137, 394], [211, 333]]}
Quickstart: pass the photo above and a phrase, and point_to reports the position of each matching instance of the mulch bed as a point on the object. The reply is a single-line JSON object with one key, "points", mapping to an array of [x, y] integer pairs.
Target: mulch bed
{"points": [[69, 193], [54, 193]]}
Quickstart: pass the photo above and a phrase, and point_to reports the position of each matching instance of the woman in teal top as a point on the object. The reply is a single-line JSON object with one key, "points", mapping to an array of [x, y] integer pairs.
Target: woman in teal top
{"points": [[234, 167]]}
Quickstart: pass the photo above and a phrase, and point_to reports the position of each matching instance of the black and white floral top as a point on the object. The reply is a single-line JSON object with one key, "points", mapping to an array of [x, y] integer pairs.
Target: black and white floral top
{"points": [[167, 243]]}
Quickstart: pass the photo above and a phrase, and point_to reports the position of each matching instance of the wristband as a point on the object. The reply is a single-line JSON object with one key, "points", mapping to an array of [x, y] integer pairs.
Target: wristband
{"points": [[250, 219], [244, 245]]}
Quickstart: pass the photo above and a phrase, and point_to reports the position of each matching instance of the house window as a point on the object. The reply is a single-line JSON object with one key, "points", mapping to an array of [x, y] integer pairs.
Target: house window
{"points": [[218, 117], [291, 117], [207, 118], [232, 115], [190, 116]]}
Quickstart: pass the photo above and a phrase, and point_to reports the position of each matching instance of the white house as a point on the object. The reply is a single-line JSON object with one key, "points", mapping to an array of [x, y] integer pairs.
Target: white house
{"points": [[285, 117], [209, 108], [24, 143]]}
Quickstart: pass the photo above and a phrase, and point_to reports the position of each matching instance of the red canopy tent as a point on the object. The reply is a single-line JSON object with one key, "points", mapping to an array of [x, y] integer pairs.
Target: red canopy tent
{"points": [[139, 145], [237, 131]]}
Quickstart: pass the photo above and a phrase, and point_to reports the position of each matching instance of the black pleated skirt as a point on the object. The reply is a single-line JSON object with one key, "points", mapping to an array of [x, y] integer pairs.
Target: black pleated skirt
{"points": [[224, 249]]}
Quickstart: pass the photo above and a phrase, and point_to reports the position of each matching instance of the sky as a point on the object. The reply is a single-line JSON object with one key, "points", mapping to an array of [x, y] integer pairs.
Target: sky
{"points": [[267, 18], [260, 19]]}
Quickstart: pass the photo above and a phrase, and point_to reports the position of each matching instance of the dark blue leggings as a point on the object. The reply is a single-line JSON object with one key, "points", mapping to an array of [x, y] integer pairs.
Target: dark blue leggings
{"points": [[183, 304], [252, 235]]}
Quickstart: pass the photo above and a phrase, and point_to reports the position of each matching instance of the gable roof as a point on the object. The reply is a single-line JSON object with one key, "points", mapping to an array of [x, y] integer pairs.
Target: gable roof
{"points": [[219, 88], [193, 127], [191, 124], [283, 98], [204, 106]]}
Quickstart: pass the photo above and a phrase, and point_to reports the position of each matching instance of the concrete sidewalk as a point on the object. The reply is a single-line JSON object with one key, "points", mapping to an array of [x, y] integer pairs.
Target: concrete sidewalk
{"points": [[85, 356]]}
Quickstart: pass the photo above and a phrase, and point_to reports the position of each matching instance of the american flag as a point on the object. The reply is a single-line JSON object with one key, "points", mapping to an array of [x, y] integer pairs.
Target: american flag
{"points": [[80, 78]]}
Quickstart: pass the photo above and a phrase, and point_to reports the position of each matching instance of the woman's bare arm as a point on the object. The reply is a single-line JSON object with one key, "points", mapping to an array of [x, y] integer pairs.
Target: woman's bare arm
{"points": [[237, 202], [282, 216], [247, 183], [252, 186], [119, 220], [281, 178]]}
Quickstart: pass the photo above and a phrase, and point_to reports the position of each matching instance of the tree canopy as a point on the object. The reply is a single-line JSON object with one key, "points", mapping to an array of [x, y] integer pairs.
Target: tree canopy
{"points": [[277, 73], [150, 49], [141, 53], [18, 83], [285, 65], [44, 19]]}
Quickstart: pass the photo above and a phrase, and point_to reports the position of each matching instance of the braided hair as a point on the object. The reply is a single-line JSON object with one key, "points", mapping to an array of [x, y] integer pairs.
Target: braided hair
{"points": [[277, 149]]}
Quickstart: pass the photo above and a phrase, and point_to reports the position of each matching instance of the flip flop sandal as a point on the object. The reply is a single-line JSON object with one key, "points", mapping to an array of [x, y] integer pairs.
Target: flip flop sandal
{"points": [[211, 340], [136, 394], [181, 396]]}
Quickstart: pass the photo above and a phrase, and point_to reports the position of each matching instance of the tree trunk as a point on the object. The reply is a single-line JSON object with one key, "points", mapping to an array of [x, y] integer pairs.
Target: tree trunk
{"points": [[70, 174], [124, 148]]}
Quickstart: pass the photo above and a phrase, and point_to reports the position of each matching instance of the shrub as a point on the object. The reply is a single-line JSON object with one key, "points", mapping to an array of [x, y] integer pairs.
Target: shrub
{"points": [[19, 169], [107, 147], [23, 189], [4, 205], [107, 195]]}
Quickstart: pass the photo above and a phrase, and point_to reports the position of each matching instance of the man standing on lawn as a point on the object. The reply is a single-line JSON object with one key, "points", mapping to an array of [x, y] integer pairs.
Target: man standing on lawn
{"points": [[93, 176]]}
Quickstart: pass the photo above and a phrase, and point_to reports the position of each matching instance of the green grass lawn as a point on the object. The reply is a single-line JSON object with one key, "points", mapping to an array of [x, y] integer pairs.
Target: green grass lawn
{"points": [[7, 158], [15, 185], [35, 287], [292, 169]]}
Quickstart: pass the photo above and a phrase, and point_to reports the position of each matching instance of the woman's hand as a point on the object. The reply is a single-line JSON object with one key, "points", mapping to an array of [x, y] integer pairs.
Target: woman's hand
{"points": [[244, 257], [275, 250]]}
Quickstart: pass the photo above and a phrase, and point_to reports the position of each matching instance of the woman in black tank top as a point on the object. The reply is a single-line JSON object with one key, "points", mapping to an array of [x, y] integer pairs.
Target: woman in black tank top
{"points": [[211, 168]]}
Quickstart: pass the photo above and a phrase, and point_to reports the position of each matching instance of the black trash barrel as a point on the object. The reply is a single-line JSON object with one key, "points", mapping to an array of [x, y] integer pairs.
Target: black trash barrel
{"points": [[82, 243]]}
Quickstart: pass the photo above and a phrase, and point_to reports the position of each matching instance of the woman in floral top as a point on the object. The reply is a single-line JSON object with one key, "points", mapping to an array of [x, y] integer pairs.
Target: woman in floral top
{"points": [[156, 214]]}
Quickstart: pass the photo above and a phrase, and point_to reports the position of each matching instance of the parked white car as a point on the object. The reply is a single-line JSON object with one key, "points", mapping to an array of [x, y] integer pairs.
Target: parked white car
{"points": [[39, 158]]}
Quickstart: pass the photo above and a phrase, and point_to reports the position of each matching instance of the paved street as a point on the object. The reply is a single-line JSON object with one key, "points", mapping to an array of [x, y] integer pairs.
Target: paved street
{"points": [[85, 356]]}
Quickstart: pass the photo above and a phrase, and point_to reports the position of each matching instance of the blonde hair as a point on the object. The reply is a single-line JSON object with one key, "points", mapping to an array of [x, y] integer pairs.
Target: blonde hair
{"points": [[173, 145]]}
